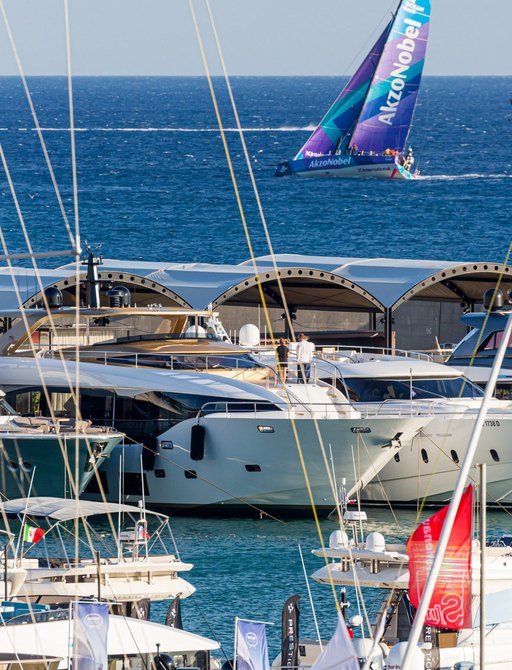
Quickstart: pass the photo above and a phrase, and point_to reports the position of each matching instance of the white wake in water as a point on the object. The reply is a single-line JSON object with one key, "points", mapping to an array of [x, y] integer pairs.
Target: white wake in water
{"points": [[459, 177], [280, 129]]}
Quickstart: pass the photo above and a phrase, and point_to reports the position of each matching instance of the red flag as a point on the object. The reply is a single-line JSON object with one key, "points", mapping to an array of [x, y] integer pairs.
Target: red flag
{"points": [[450, 606]]}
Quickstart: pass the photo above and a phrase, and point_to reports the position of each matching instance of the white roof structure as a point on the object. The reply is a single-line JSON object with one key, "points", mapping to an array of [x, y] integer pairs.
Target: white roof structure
{"points": [[126, 636], [320, 282], [62, 509], [24, 373]]}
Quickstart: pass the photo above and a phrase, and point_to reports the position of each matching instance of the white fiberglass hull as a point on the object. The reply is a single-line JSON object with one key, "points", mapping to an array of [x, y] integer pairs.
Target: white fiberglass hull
{"points": [[427, 468], [254, 460]]}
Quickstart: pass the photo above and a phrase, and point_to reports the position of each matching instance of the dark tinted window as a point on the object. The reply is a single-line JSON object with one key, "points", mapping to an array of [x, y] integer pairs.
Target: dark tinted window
{"points": [[377, 390]]}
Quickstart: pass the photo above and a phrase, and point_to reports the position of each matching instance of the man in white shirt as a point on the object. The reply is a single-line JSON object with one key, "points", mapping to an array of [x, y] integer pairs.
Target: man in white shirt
{"points": [[305, 352]]}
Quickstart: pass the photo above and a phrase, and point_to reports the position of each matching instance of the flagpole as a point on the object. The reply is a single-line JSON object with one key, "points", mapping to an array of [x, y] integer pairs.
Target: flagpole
{"points": [[483, 534], [426, 597], [235, 643], [310, 599], [20, 538]]}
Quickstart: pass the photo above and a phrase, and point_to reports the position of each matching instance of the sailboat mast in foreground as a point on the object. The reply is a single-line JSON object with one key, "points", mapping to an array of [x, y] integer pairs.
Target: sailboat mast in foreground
{"points": [[364, 133]]}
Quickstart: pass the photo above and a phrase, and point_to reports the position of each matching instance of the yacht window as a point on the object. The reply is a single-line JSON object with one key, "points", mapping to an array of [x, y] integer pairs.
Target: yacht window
{"points": [[190, 474], [363, 389], [493, 341], [454, 455], [494, 455], [424, 455], [160, 473], [253, 467], [397, 458], [102, 487], [5, 408], [132, 484]]}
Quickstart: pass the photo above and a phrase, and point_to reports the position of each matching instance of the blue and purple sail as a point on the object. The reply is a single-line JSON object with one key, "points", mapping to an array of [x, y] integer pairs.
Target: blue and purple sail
{"points": [[364, 133]]}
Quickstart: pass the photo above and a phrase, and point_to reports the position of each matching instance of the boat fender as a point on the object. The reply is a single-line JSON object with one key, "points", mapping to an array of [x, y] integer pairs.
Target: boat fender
{"points": [[163, 662], [197, 436]]}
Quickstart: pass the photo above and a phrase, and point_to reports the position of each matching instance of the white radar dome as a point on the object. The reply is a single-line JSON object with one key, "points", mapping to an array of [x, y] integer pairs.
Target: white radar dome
{"points": [[192, 331], [338, 539], [249, 336], [395, 658], [375, 542]]}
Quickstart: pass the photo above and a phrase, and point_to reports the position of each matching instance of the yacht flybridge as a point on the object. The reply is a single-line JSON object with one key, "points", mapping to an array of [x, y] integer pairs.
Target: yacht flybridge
{"points": [[209, 441], [160, 337]]}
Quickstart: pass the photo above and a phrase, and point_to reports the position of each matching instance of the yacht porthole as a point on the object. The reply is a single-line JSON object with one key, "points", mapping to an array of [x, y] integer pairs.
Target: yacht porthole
{"points": [[424, 455], [160, 473], [397, 458], [494, 455], [454, 455], [26, 466], [13, 466], [190, 474], [253, 467]]}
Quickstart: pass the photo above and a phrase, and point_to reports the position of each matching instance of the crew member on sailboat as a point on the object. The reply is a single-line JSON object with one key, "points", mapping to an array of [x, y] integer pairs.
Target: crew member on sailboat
{"points": [[365, 131]]}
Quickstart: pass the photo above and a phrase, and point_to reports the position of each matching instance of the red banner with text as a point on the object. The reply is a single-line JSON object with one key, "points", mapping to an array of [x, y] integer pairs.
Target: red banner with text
{"points": [[450, 606]]}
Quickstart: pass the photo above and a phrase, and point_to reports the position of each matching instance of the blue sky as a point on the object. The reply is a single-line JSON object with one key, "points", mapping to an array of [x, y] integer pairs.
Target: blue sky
{"points": [[259, 37]]}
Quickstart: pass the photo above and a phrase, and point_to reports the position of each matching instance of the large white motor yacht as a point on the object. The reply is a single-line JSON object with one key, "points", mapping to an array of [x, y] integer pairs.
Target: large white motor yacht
{"points": [[209, 441], [427, 467]]}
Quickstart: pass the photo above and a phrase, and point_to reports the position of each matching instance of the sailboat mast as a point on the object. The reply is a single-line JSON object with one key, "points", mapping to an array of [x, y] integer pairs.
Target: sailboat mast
{"points": [[390, 28]]}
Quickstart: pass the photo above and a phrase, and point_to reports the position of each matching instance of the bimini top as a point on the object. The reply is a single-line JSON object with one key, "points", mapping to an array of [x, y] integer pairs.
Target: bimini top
{"points": [[62, 509]]}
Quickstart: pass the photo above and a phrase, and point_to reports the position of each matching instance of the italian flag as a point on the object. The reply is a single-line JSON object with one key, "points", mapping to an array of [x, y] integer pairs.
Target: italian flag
{"points": [[31, 534]]}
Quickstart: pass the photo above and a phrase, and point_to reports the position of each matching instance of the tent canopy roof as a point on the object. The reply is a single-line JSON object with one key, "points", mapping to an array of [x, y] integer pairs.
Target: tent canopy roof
{"points": [[314, 282]]}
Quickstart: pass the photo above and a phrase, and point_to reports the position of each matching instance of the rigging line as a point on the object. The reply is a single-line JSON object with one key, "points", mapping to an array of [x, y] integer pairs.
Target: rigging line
{"points": [[332, 484], [37, 126], [260, 511], [494, 500], [3, 242], [77, 226], [384, 492], [264, 222], [73, 391], [250, 169], [260, 288]]}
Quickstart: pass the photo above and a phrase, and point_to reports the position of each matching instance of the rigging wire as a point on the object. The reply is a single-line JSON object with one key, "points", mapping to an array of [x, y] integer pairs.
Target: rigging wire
{"points": [[260, 288], [74, 243]]}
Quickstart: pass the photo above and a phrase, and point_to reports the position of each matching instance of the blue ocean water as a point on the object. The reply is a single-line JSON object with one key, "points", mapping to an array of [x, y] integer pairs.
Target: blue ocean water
{"points": [[154, 183]]}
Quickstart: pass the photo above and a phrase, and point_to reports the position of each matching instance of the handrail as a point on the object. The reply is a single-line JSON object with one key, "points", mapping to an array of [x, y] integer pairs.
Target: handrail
{"points": [[387, 407], [349, 351]]}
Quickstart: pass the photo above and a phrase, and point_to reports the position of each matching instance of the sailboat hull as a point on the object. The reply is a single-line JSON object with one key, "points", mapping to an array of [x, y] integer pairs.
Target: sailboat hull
{"points": [[345, 166]]}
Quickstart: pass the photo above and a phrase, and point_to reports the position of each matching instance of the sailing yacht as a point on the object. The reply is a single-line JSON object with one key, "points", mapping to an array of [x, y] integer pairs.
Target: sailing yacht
{"points": [[202, 441], [365, 131]]}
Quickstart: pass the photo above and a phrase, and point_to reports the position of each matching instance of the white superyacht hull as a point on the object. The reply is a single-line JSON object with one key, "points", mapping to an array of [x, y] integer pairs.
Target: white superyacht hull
{"points": [[427, 468], [254, 460]]}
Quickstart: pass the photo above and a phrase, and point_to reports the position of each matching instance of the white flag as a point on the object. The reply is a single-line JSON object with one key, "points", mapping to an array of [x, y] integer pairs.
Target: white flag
{"points": [[339, 654]]}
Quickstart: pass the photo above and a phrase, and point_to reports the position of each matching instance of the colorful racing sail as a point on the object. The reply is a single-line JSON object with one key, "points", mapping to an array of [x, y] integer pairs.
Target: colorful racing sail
{"points": [[387, 111], [336, 125]]}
